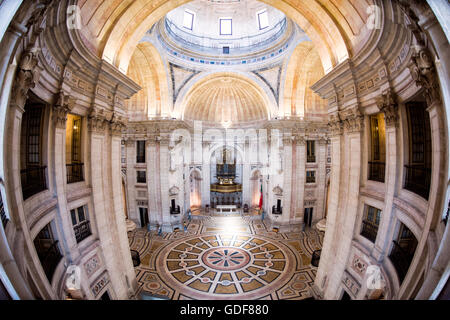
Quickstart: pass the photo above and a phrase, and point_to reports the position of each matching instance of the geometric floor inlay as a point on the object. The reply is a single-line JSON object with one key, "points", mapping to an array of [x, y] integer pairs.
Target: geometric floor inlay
{"points": [[226, 265], [214, 261]]}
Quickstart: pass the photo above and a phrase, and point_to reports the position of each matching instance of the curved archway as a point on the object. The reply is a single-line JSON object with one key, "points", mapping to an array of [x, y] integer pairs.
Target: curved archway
{"points": [[118, 27], [224, 96], [195, 197], [147, 69]]}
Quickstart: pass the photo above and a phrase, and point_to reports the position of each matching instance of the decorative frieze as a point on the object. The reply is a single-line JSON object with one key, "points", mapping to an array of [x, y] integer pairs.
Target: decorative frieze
{"points": [[100, 284], [92, 265], [351, 284]]}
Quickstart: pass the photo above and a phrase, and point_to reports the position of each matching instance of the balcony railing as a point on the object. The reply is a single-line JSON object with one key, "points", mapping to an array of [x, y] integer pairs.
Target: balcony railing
{"points": [[417, 180], [369, 231], [401, 260], [82, 231], [3, 213], [74, 172], [33, 181], [175, 210], [277, 210], [311, 158], [50, 259], [376, 171]]}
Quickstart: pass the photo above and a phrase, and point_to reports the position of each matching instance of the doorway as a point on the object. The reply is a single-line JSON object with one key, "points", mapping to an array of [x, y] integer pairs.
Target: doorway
{"points": [[307, 218], [143, 212]]}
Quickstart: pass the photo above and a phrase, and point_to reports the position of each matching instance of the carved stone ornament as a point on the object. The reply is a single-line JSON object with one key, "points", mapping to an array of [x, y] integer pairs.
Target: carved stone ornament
{"points": [[26, 77], [117, 124], [174, 190], [352, 119], [278, 191], [64, 103], [97, 121], [388, 105], [424, 74], [335, 125]]}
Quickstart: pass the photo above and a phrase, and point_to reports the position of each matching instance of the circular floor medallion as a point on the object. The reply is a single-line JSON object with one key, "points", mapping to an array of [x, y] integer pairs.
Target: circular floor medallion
{"points": [[225, 266], [225, 258]]}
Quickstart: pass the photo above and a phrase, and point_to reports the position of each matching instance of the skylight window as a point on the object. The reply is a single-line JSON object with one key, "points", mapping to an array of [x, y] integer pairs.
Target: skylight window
{"points": [[263, 19], [188, 20], [226, 26]]}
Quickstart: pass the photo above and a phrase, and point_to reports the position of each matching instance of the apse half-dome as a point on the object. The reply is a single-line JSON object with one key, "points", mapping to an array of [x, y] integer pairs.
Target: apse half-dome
{"points": [[227, 100]]}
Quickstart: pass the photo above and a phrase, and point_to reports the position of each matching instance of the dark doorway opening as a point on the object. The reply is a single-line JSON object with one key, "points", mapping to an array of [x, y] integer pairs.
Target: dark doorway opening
{"points": [[143, 212], [105, 296], [307, 218]]}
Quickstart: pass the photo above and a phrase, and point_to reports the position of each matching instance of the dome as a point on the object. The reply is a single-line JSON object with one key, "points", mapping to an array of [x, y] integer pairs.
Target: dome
{"points": [[224, 28], [225, 99]]}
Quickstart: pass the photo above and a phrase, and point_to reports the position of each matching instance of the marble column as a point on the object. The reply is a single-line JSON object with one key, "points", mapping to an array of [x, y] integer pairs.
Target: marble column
{"points": [[133, 213], [100, 161], [246, 185], [387, 104], [59, 116], [321, 180], [329, 244], [287, 180], [153, 180], [206, 175], [118, 211], [301, 178], [424, 73], [164, 163]]}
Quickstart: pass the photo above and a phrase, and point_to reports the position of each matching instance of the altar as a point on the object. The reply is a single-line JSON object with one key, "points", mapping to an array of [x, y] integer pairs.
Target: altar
{"points": [[226, 209]]}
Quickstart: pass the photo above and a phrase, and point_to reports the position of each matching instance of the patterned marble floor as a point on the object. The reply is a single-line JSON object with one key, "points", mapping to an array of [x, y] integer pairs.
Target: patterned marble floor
{"points": [[226, 258]]}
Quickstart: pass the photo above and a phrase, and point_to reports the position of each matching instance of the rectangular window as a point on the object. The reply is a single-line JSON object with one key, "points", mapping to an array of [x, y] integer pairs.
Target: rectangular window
{"points": [[47, 249], [141, 176], [3, 212], [377, 155], [81, 224], [140, 151], [310, 176], [310, 151], [418, 169], [226, 26], [188, 20], [32, 173], [74, 165], [403, 250], [370, 223], [33, 123], [226, 50], [263, 19]]}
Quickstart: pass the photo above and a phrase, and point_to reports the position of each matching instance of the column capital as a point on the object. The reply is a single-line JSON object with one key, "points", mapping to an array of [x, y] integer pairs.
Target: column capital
{"points": [[424, 74], [388, 105], [117, 124], [352, 119], [64, 104], [27, 76], [335, 125], [322, 141], [97, 120]]}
